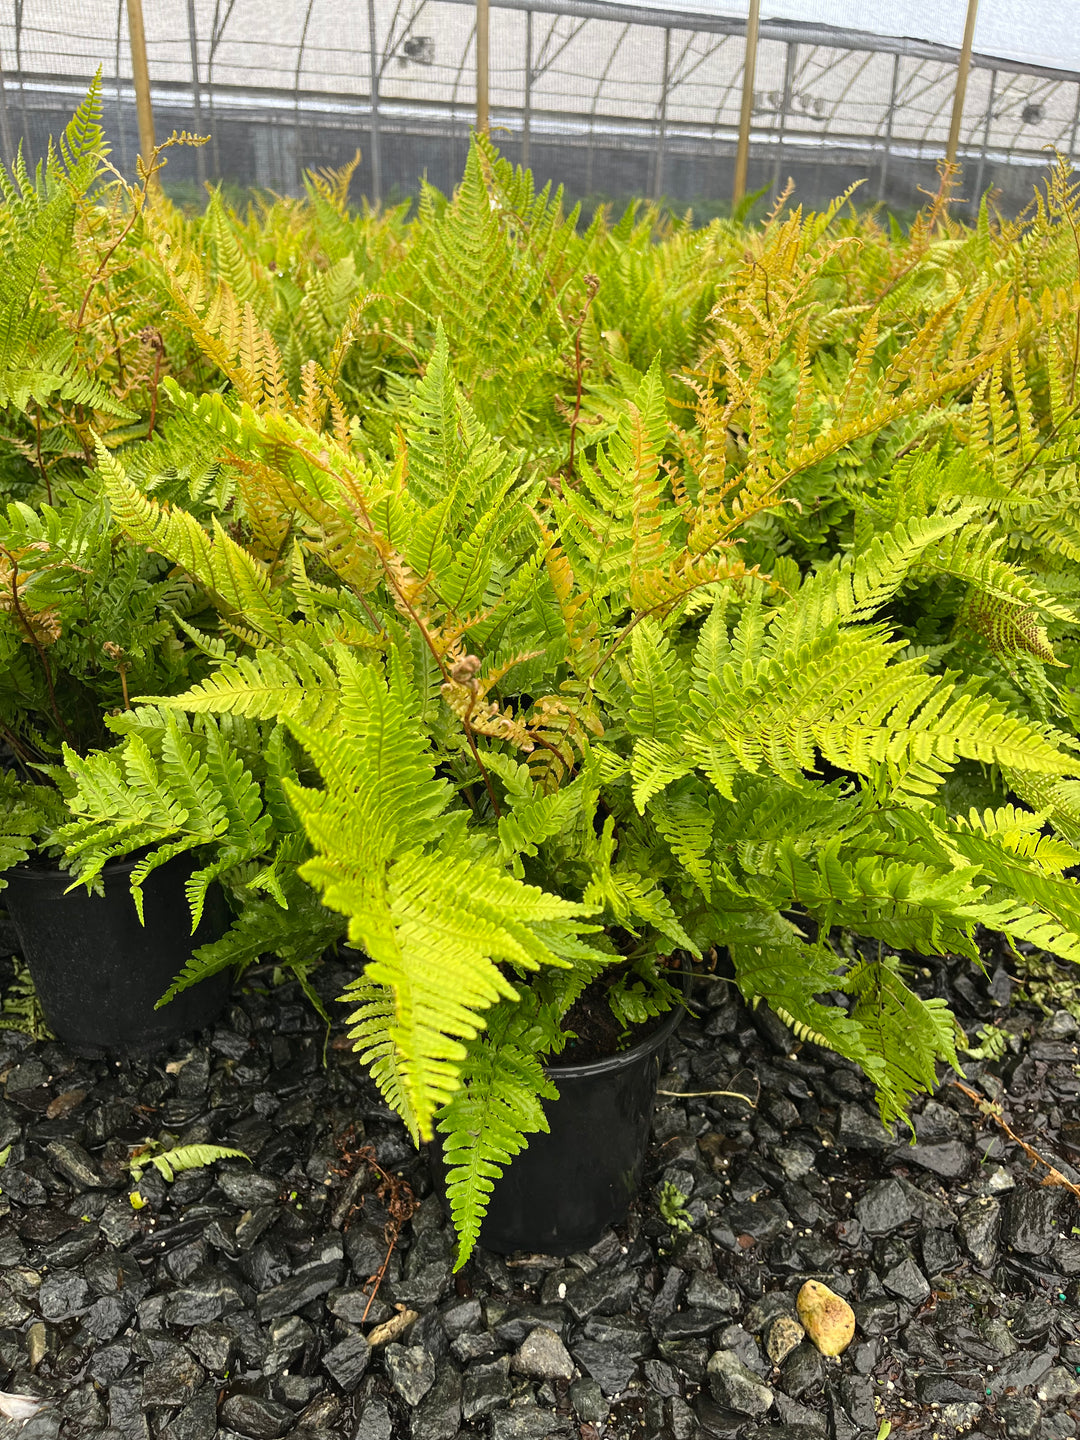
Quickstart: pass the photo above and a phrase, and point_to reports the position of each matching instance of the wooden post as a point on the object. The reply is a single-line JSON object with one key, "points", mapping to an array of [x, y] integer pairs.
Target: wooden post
{"points": [[961, 82], [742, 152], [483, 16], [140, 73]]}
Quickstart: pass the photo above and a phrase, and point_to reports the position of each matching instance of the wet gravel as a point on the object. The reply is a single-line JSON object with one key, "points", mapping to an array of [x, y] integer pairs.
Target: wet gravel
{"points": [[233, 1303]]}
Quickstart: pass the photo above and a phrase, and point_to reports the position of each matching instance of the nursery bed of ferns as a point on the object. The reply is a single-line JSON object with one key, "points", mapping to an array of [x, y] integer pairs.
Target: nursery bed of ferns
{"points": [[858, 441]]}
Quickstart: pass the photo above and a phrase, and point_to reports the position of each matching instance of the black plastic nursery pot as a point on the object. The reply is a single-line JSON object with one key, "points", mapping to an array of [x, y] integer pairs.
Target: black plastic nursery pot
{"points": [[99, 973], [561, 1194]]}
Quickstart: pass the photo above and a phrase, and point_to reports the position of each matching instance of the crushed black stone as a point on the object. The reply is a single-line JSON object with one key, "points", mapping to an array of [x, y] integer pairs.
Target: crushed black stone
{"points": [[232, 1304]]}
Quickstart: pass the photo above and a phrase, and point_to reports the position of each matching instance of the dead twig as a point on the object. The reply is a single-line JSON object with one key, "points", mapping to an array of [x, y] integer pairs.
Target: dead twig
{"points": [[592, 286], [392, 1329], [395, 1193], [993, 1112]]}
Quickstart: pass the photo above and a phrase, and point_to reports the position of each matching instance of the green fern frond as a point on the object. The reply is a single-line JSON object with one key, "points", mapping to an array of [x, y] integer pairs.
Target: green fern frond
{"points": [[909, 1034], [434, 923], [170, 1163], [486, 1124], [224, 567]]}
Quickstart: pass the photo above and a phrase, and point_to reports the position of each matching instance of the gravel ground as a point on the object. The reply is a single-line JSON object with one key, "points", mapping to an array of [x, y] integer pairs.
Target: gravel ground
{"points": [[232, 1303]]}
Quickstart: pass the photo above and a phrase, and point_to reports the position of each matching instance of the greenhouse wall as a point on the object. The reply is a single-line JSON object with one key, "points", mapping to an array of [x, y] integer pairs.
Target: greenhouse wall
{"points": [[612, 100]]}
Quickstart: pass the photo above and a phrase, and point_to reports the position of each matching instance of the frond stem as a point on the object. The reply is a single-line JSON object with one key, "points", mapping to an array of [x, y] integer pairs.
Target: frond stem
{"points": [[20, 615], [476, 756], [40, 461]]}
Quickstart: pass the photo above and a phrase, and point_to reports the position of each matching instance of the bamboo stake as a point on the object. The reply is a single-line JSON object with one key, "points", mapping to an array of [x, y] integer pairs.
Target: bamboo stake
{"points": [[140, 74], [742, 152], [483, 15], [961, 82]]}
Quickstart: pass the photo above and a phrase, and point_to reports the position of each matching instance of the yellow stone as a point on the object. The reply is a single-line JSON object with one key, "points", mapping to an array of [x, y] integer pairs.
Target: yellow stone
{"points": [[828, 1319]]}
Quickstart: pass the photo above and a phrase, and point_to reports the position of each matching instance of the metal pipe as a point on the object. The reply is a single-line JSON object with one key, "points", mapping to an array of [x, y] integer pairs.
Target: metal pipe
{"points": [[790, 60], [483, 51], [6, 137], [601, 81], [196, 90], [217, 35], [121, 127], [962, 69], [985, 141], [376, 154], [893, 92], [526, 117], [707, 22], [302, 149], [19, 5], [661, 136], [742, 152], [140, 74]]}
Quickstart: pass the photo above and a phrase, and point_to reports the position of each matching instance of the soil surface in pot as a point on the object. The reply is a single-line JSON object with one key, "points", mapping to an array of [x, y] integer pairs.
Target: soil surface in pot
{"points": [[597, 1033], [232, 1303]]}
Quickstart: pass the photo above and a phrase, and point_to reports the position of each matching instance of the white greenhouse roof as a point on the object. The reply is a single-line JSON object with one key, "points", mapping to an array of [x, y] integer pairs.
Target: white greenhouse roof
{"points": [[1037, 32]]}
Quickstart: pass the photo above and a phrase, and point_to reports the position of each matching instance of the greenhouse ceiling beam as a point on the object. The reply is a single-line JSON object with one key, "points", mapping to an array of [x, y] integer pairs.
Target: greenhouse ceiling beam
{"points": [[793, 32]]}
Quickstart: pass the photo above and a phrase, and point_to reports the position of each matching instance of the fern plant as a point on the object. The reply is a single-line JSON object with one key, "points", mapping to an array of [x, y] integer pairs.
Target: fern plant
{"points": [[564, 735], [39, 364], [532, 644]]}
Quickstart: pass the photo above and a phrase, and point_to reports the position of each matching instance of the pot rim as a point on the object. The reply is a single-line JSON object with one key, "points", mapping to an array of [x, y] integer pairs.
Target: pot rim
{"points": [[626, 1058], [55, 871]]}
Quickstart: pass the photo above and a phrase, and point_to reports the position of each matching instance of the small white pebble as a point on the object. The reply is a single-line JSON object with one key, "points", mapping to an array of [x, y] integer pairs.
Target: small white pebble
{"points": [[562, 1289]]}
